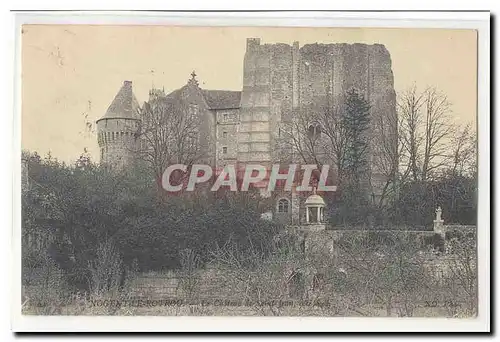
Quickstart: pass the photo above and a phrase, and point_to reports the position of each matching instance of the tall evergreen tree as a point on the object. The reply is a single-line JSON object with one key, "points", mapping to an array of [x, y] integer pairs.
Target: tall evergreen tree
{"points": [[355, 122]]}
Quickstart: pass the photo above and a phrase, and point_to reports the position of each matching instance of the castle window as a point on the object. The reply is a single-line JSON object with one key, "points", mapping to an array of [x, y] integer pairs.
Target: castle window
{"points": [[224, 150], [224, 135], [283, 205], [226, 117], [314, 131]]}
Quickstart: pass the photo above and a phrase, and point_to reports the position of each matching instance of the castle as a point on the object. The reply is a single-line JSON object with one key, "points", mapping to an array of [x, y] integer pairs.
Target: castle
{"points": [[242, 127]]}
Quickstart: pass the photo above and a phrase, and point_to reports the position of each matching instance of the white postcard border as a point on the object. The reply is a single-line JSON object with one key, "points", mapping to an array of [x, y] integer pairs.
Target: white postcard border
{"points": [[456, 20]]}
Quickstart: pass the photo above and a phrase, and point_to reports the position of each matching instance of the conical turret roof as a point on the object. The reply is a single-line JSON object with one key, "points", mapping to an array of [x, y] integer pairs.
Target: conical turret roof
{"points": [[124, 105]]}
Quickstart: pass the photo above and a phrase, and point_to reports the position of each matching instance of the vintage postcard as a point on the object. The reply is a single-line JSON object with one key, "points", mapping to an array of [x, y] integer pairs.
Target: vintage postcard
{"points": [[173, 170]]}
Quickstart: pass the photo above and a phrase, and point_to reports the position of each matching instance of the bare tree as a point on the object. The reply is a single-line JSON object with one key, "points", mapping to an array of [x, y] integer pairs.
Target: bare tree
{"points": [[300, 138], [409, 107], [464, 157], [461, 278], [105, 270], [387, 271], [437, 130], [255, 279], [189, 274], [318, 134], [387, 153], [169, 135], [336, 138], [424, 131]]}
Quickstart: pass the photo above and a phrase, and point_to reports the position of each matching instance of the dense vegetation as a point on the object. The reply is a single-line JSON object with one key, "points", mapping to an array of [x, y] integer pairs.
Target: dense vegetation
{"points": [[89, 215], [80, 208]]}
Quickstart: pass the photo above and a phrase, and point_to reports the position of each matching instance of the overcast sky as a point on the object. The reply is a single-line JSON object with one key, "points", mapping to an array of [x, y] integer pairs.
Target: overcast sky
{"points": [[70, 74]]}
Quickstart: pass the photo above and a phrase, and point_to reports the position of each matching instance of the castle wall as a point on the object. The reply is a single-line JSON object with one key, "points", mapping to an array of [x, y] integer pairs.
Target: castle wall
{"points": [[117, 141], [282, 89], [328, 71], [255, 105], [190, 95], [226, 136], [267, 94], [281, 80]]}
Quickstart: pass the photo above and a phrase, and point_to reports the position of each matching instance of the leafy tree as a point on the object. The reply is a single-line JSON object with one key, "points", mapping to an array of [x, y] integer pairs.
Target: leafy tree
{"points": [[77, 211]]}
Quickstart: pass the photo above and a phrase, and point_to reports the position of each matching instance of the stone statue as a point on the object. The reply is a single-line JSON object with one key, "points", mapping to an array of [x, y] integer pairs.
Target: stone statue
{"points": [[438, 214], [438, 222]]}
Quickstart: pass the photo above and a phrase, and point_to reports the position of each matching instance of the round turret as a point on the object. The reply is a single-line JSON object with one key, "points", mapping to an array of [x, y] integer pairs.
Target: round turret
{"points": [[118, 129]]}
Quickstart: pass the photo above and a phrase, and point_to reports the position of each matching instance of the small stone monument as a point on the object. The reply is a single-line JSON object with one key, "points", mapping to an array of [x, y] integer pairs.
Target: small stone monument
{"points": [[438, 222], [315, 207]]}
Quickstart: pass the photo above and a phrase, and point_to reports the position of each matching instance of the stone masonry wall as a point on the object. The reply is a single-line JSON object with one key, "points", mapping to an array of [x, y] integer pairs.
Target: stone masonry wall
{"points": [[227, 136], [328, 71], [117, 141], [280, 79], [254, 134]]}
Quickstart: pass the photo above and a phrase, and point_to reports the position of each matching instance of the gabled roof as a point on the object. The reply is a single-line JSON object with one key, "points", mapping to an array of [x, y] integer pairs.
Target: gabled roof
{"points": [[124, 105], [222, 99], [215, 99]]}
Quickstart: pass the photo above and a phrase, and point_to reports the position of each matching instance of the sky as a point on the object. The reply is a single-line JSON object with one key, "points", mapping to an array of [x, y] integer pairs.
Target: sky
{"points": [[71, 73]]}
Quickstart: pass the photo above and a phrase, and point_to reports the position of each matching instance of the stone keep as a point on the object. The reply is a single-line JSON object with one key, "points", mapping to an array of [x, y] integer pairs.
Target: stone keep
{"points": [[280, 80]]}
